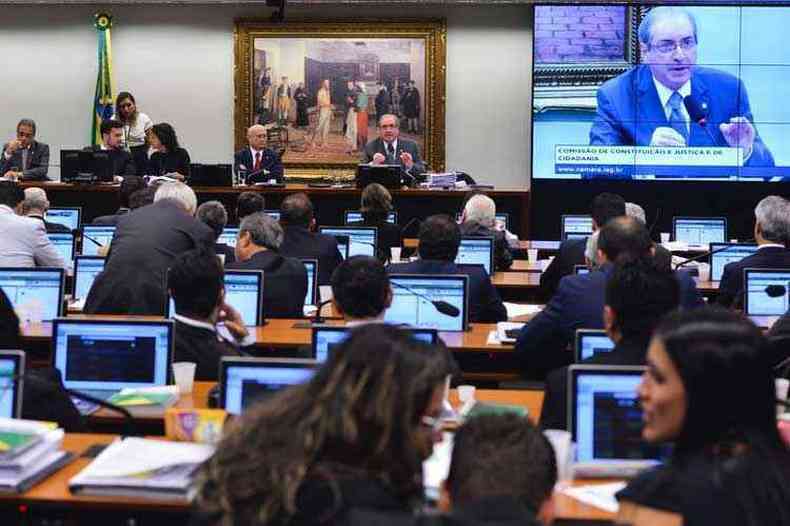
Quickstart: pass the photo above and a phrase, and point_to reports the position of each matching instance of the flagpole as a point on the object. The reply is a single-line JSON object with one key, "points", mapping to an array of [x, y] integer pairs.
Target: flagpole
{"points": [[103, 97]]}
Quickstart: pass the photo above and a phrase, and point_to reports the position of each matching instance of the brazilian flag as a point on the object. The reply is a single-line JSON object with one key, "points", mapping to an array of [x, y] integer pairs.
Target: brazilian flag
{"points": [[103, 99]]}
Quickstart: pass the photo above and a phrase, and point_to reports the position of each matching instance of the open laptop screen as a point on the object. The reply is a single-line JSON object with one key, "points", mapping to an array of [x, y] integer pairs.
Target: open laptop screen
{"points": [[355, 216], [86, 268], [699, 230], [95, 235], [766, 291], [110, 355], [35, 293], [412, 295], [326, 338], [576, 226], [362, 239], [590, 343], [64, 244], [68, 217], [243, 381], [243, 291], [228, 236], [311, 265], [12, 365], [729, 253], [477, 251]]}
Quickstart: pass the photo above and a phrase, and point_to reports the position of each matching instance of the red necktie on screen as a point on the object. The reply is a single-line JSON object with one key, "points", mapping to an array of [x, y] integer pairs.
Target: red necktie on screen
{"points": [[257, 162]]}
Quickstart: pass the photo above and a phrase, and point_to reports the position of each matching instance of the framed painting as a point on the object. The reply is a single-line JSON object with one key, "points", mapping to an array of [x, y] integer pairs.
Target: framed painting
{"points": [[319, 88]]}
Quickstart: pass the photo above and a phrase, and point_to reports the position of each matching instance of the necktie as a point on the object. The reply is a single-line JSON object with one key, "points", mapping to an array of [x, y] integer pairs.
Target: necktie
{"points": [[390, 152], [25, 154], [676, 120], [257, 162]]}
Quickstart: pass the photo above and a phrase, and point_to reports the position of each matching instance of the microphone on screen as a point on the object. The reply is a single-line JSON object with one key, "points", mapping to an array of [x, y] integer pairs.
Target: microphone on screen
{"points": [[698, 112], [442, 306]]}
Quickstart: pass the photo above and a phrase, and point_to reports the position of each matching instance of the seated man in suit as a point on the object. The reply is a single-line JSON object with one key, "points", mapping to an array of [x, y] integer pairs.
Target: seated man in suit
{"points": [[296, 217], [249, 203], [144, 246], [129, 186], [389, 148], [376, 204], [502, 471], [284, 278], [214, 215], [24, 158], [195, 282], [440, 238], [645, 105], [605, 206], [24, 241], [772, 234], [36, 205], [579, 301], [479, 219], [112, 143], [259, 163], [361, 290], [638, 295]]}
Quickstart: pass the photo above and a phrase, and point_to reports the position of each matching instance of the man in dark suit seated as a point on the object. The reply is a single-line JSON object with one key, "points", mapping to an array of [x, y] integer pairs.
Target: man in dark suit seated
{"points": [[129, 186], [389, 148], [605, 206], [579, 301], [214, 215], [249, 203], [143, 248], [36, 205], [259, 163], [772, 234], [284, 278], [361, 290], [112, 143], [24, 158], [638, 295], [479, 219], [440, 238], [296, 217], [195, 282]]}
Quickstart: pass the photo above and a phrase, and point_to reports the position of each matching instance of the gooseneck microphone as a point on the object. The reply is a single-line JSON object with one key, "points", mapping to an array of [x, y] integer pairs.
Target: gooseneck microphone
{"points": [[442, 306], [709, 253], [698, 112]]}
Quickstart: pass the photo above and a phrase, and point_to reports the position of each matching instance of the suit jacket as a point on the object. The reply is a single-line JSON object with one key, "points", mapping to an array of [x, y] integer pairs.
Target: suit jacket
{"points": [[144, 246], [269, 161], [485, 305], [164, 163], [629, 110], [571, 253], [122, 161], [24, 242], [731, 285], [37, 162], [110, 220], [203, 347], [503, 258], [578, 304], [284, 283], [388, 236], [404, 145], [299, 242]]}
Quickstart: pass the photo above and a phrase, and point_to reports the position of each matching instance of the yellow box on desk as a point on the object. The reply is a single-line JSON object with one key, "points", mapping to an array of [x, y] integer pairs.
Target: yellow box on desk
{"points": [[195, 425]]}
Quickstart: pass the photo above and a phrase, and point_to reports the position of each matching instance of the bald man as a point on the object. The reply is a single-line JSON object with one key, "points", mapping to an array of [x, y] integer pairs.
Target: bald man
{"points": [[260, 163]]}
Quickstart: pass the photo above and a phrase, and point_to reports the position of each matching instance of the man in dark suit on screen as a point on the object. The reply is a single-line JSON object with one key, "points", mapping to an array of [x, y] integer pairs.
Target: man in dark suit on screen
{"points": [[644, 106], [261, 164], [24, 158], [389, 148]]}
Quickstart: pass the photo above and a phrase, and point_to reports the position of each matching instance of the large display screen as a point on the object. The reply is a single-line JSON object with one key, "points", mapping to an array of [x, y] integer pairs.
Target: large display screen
{"points": [[661, 93]]}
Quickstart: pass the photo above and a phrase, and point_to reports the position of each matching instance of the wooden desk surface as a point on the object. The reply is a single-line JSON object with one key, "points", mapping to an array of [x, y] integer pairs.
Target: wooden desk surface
{"points": [[516, 280]]}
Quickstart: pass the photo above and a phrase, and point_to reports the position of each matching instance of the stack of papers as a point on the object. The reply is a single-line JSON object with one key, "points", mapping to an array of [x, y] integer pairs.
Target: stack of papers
{"points": [[139, 467], [146, 401], [29, 452], [598, 495]]}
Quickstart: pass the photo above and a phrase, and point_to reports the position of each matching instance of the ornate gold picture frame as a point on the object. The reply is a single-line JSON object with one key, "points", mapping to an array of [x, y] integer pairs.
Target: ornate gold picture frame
{"points": [[319, 88]]}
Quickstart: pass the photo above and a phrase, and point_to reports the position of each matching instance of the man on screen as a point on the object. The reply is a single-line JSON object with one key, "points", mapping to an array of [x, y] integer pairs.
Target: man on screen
{"points": [[644, 106]]}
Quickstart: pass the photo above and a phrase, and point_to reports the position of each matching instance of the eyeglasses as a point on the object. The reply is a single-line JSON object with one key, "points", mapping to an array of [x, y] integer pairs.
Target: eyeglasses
{"points": [[668, 46], [434, 424]]}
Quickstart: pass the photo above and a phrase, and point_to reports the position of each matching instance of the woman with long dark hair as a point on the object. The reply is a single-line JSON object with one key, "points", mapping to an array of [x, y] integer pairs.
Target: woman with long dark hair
{"points": [[710, 390], [353, 437], [168, 156], [135, 127]]}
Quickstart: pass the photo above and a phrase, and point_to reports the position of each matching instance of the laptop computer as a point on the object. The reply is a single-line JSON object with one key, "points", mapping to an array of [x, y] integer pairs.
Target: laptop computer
{"points": [[766, 291], [243, 381], [354, 216], [575, 226], [243, 292], [95, 236], [387, 175], [476, 251], [12, 367], [413, 294], [699, 230], [723, 253], [605, 420], [590, 342], [85, 166], [86, 268], [35, 293], [229, 235], [99, 357], [70, 217], [311, 265], [363, 240], [326, 338], [581, 269], [64, 243]]}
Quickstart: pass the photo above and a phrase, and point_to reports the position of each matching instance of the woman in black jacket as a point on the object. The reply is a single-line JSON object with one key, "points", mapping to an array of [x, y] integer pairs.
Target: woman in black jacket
{"points": [[169, 157]]}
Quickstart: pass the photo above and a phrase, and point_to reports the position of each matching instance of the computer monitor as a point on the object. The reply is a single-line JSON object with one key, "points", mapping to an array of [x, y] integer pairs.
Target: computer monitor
{"points": [[723, 253], [476, 251], [604, 415], [581, 269], [326, 338], [576, 226], [64, 243], [699, 230], [362, 239], [274, 214], [229, 235], [766, 291], [591, 342], [355, 216], [85, 166], [70, 217], [12, 367], [311, 265], [105, 356], [35, 293], [412, 296], [86, 268], [243, 381], [94, 236], [243, 292]]}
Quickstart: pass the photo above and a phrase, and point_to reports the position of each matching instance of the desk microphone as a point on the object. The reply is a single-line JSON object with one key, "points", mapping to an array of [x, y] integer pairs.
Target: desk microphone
{"points": [[709, 253], [698, 112], [442, 306]]}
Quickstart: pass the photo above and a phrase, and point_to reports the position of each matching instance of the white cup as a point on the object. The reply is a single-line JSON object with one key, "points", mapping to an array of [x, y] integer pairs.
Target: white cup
{"points": [[184, 373], [664, 237], [395, 251], [466, 393], [532, 255], [782, 387], [704, 271], [563, 451]]}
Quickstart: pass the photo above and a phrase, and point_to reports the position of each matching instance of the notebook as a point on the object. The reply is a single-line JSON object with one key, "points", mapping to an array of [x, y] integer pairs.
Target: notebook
{"points": [[590, 342], [699, 230], [326, 338], [766, 291], [362, 239], [413, 294], [576, 226], [723, 253], [70, 217], [86, 268], [94, 236], [35, 293], [476, 251], [243, 381], [12, 366]]}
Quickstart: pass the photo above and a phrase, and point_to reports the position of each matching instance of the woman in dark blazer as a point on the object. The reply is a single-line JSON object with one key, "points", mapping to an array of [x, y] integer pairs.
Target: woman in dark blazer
{"points": [[169, 157]]}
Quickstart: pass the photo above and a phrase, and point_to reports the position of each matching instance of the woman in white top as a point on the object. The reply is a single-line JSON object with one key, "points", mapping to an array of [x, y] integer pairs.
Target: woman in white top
{"points": [[135, 127]]}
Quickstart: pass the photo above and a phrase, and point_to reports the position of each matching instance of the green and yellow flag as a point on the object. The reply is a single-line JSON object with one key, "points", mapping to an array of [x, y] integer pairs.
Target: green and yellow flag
{"points": [[103, 99]]}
